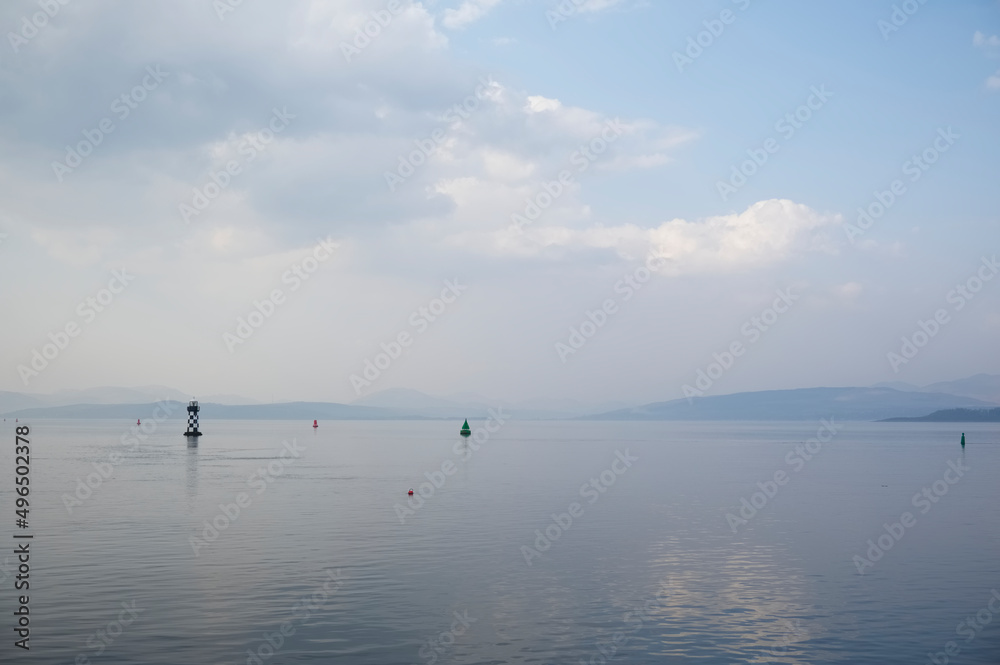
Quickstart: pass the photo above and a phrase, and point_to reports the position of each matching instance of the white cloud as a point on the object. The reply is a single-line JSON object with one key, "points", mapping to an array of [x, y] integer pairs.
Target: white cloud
{"points": [[468, 12], [471, 11], [538, 104], [765, 233], [598, 5], [988, 43], [508, 148], [848, 292], [506, 166], [323, 25], [78, 248]]}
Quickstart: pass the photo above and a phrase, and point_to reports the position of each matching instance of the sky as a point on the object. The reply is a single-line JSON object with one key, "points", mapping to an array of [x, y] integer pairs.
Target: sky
{"points": [[595, 200]]}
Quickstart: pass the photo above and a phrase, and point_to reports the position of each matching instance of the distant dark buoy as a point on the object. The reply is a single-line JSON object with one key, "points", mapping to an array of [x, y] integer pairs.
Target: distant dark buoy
{"points": [[315, 423], [465, 431], [138, 421], [410, 492], [963, 439]]}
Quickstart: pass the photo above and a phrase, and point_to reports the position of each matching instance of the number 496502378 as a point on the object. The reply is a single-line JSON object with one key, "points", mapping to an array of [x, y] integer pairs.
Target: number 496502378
{"points": [[22, 463]]}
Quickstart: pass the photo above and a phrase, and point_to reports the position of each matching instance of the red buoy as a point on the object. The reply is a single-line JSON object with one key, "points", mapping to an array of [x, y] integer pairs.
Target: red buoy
{"points": [[410, 492], [138, 421], [315, 423]]}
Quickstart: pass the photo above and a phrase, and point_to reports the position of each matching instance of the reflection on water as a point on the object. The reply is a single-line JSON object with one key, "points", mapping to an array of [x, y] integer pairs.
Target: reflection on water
{"points": [[191, 468], [649, 572], [753, 602]]}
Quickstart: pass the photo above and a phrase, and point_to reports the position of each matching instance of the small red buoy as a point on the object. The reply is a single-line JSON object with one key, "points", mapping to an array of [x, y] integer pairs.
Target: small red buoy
{"points": [[410, 492], [138, 421], [315, 423]]}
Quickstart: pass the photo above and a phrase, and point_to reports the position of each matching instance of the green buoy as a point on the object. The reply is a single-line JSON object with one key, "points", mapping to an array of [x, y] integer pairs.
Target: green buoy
{"points": [[963, 439], [465, 431]]}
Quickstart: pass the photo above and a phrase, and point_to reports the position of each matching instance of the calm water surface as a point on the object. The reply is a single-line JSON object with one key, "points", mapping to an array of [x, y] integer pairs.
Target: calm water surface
{"points": [[651, 559]]}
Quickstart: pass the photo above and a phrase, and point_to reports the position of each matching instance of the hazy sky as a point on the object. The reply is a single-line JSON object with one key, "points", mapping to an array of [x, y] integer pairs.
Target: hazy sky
{"points": [[523, 159]]}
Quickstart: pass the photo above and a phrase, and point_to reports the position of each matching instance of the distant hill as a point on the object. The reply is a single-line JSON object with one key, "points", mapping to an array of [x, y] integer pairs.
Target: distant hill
{"points": [[803, 404], [11, 401], [209, 411], [387, 405], [405, 398], [981, 386], [113, 395], [467, 404], [897, 400], [953, 416]]}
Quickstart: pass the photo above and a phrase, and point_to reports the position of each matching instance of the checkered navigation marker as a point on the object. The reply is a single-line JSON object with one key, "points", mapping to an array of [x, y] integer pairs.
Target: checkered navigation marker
{"points": [[193, 410]]}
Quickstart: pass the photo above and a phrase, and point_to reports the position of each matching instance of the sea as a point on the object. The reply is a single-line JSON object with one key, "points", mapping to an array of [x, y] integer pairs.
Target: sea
{"points": [[555, 542]]}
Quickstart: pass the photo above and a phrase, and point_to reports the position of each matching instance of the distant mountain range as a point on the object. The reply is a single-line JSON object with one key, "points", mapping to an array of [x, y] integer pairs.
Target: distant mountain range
{"points": [[882, 402], [394, 404], [981, 386], [801, 404], [455, 406], [11, 401], [210, 411], [954, 416]]}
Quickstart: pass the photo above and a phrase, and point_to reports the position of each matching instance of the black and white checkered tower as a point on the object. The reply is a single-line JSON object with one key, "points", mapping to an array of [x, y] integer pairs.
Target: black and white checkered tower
{"points": [[193, 410]]}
